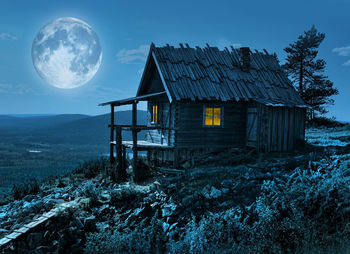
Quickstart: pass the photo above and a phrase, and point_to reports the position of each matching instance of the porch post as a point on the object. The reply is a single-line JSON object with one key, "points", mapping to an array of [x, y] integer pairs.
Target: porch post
{"points": [[111, 145], [134, 133], [120, 153], [124, 159]]}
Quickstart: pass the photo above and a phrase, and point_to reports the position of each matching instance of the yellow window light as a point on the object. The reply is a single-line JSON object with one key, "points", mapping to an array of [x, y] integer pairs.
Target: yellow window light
{"points": [[208, 121], [217, 112], [212, 116], [155, 113], [209, 112]]}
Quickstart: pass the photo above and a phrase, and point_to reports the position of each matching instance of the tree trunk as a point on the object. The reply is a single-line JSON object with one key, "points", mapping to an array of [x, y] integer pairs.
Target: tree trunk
{"points": [[301, 74]]}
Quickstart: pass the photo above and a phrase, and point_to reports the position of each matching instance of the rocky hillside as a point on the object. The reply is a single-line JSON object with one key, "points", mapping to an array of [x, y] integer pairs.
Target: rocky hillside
{"points": [[267, 203]]}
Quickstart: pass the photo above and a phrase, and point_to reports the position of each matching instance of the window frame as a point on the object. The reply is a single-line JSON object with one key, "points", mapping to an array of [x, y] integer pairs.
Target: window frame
{"points": [[221, 116]]}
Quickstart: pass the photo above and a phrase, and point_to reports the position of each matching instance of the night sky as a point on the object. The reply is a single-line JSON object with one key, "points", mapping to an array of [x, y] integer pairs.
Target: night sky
{"points": [[126, 29]]}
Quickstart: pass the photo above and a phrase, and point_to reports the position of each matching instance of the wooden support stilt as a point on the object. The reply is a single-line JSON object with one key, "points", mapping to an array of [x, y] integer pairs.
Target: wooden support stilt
{"points": [[111, 145], [120, 151], [149, 157], [134, 133], [176, 158], [124, 158]]}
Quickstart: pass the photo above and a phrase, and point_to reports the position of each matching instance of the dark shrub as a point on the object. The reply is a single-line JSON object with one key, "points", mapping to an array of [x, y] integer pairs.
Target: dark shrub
{"points": [[146, 237], [31, 186], [90, 191], [141, 170], [325, 122], [115, 173], [60, 183], [123, 196], [92, 168]]}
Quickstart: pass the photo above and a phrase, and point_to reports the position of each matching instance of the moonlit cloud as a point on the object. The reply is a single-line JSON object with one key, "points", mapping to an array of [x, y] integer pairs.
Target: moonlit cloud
{"points": [[223, 42], [105, 90], [15, 88], [342, 51], [133, 56], [347, 63], [7, 36]]}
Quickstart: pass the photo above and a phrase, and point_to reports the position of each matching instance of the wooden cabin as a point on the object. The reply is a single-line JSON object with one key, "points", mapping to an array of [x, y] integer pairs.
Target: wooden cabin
{"points": [[202, 99]]}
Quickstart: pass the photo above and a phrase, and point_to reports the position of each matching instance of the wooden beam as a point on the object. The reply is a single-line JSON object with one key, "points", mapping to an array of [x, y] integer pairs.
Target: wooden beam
{"points": [[132, 99], [134, 134], [111, 145], [124, 160], [176, 158], [140, 127], [161, 77], [169, 125], [119, 149]]}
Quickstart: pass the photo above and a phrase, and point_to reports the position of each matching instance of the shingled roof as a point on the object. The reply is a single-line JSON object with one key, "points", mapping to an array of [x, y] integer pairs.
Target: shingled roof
{"points": [[217, 75]]}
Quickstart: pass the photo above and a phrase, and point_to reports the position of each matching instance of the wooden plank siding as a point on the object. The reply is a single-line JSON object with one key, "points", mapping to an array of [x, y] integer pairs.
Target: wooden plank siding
{"points": [[192, 133], [279, 128]]}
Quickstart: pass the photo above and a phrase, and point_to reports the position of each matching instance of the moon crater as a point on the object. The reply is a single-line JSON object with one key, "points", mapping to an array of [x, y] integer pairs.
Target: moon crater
{"points": [[66, 53]]}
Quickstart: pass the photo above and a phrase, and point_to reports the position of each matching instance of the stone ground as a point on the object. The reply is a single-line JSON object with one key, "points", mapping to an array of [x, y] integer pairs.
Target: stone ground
{"points": [[173, 198]]}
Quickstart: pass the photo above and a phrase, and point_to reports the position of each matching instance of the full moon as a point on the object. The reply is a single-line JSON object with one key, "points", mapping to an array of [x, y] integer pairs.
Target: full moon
{"points": [[66, 53]]}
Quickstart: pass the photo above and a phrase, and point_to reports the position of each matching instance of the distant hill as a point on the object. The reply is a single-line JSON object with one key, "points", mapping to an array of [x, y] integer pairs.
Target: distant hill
{"points": [[90, 130], [73, 129], [27, 122], [30, 115]]}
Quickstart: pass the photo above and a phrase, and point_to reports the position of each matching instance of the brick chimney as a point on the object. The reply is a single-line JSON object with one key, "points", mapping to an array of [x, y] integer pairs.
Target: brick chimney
{"points": [[244, 54]]}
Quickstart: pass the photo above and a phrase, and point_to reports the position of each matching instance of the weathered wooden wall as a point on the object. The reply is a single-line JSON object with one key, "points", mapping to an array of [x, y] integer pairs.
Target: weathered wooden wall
{"points": [[279, 128], [191, 132]]}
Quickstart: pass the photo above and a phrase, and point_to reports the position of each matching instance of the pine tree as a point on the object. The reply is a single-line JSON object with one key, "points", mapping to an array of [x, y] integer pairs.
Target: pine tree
{"points": [[306, 72]]}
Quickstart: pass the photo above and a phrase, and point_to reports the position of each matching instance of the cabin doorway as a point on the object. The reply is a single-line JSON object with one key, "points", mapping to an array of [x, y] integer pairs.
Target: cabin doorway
{"points": [[252, 127]]}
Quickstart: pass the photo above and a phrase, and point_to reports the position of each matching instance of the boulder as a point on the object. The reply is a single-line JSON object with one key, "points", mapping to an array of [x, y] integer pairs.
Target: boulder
{"points": [[166, 226], [227, 183], [187, 201], [211, 193], [65, 197], [84, 202], [78, 223], [29, 198], [147, 210], [105, 197], [133, 216], [225, 190], [103, 210], [169, 210], [90, 223]]}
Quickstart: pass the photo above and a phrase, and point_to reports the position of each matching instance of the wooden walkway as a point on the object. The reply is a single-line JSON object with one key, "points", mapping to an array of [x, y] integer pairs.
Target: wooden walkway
{"points": [[43, 218]]}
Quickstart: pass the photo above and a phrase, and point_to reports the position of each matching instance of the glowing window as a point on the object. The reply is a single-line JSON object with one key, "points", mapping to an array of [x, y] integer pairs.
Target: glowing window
{"points": [[155, 114], [212, 116]]}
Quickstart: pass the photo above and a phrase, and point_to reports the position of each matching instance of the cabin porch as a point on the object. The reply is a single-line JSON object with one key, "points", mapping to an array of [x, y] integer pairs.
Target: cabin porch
{"points": [[118, 145]]}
